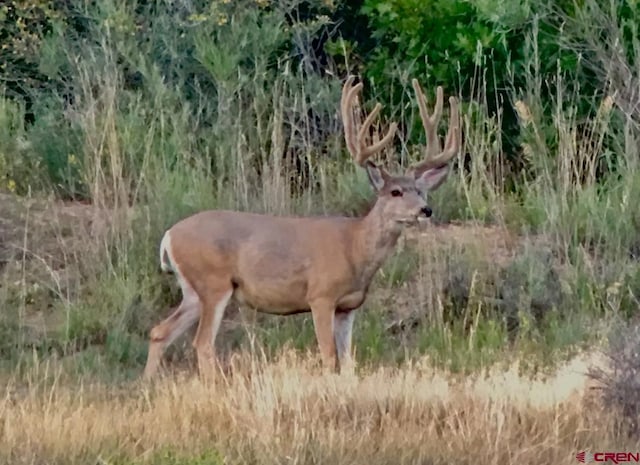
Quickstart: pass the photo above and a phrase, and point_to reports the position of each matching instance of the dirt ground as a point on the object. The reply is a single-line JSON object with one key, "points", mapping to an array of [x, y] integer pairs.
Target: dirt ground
{"points": [[38, 227]]}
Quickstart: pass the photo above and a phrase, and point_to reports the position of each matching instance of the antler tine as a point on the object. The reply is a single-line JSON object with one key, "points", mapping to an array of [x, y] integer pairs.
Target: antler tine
{"points": [[350, 133], [430, 123], [437, 158], [355, 138], [375, 148]]}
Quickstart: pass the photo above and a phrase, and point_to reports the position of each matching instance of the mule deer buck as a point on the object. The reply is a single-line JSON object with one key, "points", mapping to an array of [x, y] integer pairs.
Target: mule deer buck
{"points": [[285, 265]]}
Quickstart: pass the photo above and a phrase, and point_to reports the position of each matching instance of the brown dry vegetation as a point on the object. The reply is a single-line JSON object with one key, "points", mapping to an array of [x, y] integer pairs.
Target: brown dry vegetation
{"points": [[285, 412]]}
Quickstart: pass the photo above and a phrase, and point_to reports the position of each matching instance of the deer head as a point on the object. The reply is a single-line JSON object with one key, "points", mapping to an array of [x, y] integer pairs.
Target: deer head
{"points": [[401, 199]]}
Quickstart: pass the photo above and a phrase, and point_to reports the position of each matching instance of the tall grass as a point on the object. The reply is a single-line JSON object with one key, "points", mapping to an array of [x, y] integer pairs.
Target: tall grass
{"points": [[266, 413]]}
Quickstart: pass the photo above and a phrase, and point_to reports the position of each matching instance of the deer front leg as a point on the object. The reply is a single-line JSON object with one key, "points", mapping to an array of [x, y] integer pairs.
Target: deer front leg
{"points": [[343, 328], [323, 315], [214, 303]]}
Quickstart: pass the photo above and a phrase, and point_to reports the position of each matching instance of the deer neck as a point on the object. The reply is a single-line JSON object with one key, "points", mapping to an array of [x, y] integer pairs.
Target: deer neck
{"points": [[375, 241]]}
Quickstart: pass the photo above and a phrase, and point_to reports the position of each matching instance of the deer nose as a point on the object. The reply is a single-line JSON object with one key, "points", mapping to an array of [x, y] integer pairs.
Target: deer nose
{"points": [[426, 211]]}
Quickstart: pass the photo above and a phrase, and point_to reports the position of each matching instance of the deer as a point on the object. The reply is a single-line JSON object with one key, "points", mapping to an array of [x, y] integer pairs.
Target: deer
{"points": [[285, 265]]}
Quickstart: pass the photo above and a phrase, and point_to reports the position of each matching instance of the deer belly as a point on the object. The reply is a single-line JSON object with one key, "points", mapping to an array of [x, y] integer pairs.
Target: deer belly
{"points": [[274, 298]]}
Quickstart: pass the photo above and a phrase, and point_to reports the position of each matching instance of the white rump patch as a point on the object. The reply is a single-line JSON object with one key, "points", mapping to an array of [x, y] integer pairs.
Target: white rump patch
{"points": [[166, 257]]}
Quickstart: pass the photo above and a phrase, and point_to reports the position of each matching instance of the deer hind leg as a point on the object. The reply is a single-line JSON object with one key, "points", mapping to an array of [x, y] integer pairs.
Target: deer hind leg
{"points": [[343, 328], [163, 334], [214, 304], [323, 322]]}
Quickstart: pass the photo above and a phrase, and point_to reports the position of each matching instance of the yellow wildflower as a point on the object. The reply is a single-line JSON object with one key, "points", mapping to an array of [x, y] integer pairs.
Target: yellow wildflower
{"points": [[222, 19], [197, 18]]}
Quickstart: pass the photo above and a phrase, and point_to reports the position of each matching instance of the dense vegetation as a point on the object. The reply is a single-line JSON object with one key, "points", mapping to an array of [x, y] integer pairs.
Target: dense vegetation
{"points": [[119, 117]]}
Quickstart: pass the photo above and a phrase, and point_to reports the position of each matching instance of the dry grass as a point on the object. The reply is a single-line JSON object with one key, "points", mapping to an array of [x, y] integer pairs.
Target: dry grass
{"points": [[286, 412]]}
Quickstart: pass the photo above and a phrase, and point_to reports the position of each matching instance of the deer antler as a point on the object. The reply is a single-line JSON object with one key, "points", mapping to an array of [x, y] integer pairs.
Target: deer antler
{"points": [[434, 156], [354, 137]]}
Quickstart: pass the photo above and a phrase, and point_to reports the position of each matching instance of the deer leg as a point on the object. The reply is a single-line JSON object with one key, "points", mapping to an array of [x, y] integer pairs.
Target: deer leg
{"points": [[163, 334], [214, 304], [342, 331], [323, 316]]}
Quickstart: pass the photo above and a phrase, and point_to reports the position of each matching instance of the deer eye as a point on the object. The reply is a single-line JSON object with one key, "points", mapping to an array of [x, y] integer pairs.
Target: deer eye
{"points": [[396, 193]]}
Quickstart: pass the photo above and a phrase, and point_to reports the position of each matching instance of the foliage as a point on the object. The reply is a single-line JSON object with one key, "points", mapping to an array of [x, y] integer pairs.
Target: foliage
{"points": [[490, 49], [24, 28], [440, 40], [472, 48], [618, 383]]}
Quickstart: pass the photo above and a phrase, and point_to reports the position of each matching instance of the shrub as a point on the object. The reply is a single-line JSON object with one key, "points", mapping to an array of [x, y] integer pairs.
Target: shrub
{"points": [[619, 383]]}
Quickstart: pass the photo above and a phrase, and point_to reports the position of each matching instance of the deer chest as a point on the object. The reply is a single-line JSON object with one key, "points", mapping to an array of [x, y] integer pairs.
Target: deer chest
{"points": [[352, 300]]}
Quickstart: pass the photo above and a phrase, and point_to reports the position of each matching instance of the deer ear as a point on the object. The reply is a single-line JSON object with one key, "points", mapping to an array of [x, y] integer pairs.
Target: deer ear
{"points": [[432, 178], [377, 175]]}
